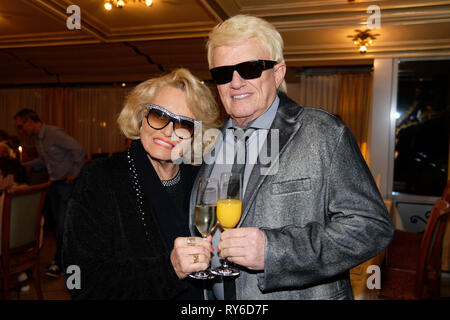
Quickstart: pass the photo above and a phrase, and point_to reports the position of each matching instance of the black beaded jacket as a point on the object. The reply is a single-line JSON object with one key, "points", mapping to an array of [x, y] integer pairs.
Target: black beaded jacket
{"points": [[119, 230]]}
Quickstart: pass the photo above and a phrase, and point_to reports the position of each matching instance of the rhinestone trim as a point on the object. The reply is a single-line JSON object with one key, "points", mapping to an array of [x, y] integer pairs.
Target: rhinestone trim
{"points": [[173, 181], [137, 187]]}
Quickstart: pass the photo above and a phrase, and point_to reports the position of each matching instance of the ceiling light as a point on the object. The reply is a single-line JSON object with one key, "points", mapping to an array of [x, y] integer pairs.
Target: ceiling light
{"points": [[363, 39], [108, 4]]}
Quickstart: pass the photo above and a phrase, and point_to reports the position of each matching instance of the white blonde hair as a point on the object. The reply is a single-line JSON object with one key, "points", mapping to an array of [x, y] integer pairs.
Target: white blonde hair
{"points": [[199, 99], [240, 28]]}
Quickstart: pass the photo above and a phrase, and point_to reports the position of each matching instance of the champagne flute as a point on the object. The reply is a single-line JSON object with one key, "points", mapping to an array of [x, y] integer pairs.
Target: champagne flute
{"points": [[229, 209], [205, 218]]}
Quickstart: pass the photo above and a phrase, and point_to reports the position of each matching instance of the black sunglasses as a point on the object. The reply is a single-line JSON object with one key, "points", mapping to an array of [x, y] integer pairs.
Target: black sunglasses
{"points": [[247, 70], [159, 117]]}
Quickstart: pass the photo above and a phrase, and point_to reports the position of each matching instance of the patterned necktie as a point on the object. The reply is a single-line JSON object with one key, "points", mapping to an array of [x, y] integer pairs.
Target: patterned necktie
{"points": [[240, 159]]}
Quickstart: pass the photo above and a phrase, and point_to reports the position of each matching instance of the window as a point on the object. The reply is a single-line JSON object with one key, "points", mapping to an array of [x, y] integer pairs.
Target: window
{"points": [[422, 127]]}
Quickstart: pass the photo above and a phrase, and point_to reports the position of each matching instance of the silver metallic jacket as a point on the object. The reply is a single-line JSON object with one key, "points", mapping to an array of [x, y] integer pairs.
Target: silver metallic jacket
{"points": [[321, 212]]}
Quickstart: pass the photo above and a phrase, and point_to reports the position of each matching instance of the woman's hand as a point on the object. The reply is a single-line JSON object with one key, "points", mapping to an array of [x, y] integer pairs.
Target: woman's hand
{"points": [[190, 254]]}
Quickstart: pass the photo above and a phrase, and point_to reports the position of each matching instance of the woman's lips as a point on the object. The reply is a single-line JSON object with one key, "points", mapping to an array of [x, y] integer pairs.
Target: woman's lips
{"points": [[163, 143]]}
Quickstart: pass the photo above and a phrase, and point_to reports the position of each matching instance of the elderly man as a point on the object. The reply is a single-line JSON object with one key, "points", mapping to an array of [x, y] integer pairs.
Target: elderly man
{"points": [[63, 157], [314, 212]]}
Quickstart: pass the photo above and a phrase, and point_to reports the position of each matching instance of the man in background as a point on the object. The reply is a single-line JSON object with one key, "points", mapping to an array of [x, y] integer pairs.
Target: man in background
{"points": [[63, 158]]}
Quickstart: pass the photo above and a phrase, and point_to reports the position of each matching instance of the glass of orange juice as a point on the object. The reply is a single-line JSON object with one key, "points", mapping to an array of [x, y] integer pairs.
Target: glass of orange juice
{"points": [[229, 208]]}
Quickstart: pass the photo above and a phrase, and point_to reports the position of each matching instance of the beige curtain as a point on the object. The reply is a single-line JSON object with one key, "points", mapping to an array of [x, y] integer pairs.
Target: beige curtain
{"points": [[320, 91], [60, 109], [347, 95], [87, 114], [98, 109], [12, 100]]}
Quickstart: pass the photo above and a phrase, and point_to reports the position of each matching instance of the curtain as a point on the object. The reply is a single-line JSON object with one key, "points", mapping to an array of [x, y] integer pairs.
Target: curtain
{"points": [[320, 91], [346, 95], [13, 100], [87, 114], [98, 109], [60, 109]]}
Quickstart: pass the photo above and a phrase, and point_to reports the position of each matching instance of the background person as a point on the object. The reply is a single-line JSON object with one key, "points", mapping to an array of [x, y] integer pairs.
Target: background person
{"points": [[63, 158]]}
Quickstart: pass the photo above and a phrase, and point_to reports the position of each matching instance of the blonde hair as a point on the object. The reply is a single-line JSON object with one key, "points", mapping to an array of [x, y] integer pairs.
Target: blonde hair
{"points": [[239, 28], [199, 99]]}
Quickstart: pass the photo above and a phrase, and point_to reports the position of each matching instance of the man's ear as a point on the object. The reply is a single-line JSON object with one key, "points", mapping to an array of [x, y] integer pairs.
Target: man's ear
{"points": [[279, 71]]}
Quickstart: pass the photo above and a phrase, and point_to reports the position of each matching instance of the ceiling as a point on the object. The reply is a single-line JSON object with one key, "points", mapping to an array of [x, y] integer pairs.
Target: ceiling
{"points": [[135, 43]]}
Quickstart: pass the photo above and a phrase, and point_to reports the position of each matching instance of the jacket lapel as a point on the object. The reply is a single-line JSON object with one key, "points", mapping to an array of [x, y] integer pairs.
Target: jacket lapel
{"points": [[287, 125]]}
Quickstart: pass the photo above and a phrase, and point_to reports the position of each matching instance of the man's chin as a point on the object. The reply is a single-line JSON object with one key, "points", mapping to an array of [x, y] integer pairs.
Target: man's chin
{"points": [[241, 121]]}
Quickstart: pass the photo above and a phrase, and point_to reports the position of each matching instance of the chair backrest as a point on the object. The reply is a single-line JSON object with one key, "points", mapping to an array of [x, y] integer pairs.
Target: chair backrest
{"points": [[431, 246], [22, 211], [446, 193]]}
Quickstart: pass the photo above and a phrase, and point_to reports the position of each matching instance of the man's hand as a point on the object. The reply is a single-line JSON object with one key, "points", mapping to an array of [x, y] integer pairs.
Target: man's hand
{"points": [[243, 246], [190, 254]]}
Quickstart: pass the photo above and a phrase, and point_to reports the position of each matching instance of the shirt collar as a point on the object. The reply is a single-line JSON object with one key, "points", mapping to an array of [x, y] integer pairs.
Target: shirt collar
{"points": [[42, 132]]}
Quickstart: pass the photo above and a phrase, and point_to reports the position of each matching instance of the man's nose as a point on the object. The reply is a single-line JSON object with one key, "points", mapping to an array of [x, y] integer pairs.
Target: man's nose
{"points": [[237, 81]]}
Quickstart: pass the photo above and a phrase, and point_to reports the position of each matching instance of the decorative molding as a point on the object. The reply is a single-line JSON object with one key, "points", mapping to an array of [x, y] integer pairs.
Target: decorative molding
{"points": [[193, 27], [230, 7], [349, 19], [161, 28], [44, 40], [350, 53], [267, 9], [307, 15], [379, 46], [97, 31], [214, 8], [57, 11]]}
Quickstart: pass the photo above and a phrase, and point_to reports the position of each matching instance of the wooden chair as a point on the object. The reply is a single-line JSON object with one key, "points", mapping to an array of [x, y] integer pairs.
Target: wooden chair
{"points": [[424, 280], [22, 211], [403, 251], [446, 193]]}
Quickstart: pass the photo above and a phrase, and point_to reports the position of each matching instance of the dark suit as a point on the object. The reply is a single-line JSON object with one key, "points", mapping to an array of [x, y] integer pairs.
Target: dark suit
{"points": [[321, 212]]}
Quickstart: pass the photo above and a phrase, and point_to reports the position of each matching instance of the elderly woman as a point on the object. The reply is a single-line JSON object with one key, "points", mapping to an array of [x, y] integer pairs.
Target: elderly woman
{"points": [[127, 212]]}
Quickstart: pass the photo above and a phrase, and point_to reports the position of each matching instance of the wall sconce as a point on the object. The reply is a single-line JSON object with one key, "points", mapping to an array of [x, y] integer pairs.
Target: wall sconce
{"points": [[363, 39]]}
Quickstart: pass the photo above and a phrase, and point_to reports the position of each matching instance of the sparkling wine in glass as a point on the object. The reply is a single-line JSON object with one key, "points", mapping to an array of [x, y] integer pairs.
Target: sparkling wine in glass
{"points": [[205, 217], [229, 208]]}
